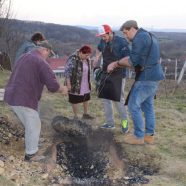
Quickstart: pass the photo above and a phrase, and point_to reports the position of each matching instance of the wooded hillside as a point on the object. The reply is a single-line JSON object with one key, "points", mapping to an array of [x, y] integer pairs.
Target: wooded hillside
{"points": [[66, 39]]}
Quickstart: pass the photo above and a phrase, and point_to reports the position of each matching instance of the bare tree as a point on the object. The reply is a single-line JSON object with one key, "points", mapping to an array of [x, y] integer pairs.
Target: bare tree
{"points": [[5, 12]]}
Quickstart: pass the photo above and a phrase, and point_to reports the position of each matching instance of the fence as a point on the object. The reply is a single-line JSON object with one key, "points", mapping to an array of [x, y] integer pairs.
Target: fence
{"points": [[173, 69], [2, 94]]}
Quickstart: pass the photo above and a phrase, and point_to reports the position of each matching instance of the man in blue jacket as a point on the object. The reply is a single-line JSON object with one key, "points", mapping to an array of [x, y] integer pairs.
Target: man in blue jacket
{"points": [[111, 88], [144, 57], [30, 44]]}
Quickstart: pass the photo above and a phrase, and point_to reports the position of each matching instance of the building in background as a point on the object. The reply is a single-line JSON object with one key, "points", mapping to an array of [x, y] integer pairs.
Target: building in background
{"points": [[58, 65]]}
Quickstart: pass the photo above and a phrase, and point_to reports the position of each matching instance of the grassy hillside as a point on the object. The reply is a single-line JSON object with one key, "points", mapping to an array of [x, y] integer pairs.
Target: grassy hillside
{"points": [[167, 156]]}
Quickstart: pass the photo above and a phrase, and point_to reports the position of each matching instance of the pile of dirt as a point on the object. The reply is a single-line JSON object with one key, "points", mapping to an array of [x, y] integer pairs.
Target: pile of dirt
{"points": [[9, 131]]}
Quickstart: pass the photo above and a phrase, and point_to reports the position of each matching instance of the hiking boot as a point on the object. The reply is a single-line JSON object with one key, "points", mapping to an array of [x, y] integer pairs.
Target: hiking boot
{"points": [[87, 116], [107, 126], [124, 126], [33, 157], [133, 140], [149, 139]]}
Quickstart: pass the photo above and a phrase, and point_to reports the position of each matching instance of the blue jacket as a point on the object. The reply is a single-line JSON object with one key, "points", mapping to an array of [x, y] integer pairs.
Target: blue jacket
{"points": [[119, 46], [24, 48], [146, 53]]}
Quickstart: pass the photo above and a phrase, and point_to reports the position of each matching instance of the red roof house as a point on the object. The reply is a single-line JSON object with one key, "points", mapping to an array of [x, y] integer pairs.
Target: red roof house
{"points": [[57, 65]]}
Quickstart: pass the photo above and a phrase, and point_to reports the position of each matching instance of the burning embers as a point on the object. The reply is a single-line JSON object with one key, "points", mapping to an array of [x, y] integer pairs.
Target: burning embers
{"points": [[84, 154], [93, 157], [80, 161]]}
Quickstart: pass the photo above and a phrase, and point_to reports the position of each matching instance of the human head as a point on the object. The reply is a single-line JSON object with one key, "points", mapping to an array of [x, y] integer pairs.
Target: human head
{"points": [[85, 51], [105, 32], [129, 29], [45, 48], [37, 37]]}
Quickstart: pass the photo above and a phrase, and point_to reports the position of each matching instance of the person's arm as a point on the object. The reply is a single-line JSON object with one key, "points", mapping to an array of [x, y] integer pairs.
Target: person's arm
{"points": [[68, 84], [97, 57], [68, 73], [124, 62]]}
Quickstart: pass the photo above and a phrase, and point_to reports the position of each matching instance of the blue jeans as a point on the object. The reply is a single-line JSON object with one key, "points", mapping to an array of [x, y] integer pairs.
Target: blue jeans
{"points": [[142, 100]]}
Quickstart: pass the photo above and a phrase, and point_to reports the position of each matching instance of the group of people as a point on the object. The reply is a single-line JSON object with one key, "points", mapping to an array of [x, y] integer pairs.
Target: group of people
{"points": [[32, 72]]}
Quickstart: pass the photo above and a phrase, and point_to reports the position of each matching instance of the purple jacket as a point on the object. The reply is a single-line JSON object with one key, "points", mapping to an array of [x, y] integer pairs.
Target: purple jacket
{"points": [[27, 80]]}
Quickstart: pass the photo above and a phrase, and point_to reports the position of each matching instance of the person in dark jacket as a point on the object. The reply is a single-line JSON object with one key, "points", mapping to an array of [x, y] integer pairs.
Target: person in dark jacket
{"points": [[30, 44], [144, 57], [23, 92], [77, 74], [111, 87]]}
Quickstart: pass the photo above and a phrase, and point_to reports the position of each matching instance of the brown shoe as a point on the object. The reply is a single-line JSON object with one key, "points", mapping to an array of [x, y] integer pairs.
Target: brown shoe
{"points": [[133, 140], [149, 139]]}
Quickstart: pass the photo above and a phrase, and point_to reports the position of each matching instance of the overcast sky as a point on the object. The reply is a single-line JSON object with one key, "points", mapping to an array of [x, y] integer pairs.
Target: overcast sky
{"points": [[152, 14]]}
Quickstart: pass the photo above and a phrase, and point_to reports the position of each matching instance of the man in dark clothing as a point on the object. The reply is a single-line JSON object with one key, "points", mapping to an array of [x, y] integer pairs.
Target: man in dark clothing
{"points": [[24, 90], [111, 88]]}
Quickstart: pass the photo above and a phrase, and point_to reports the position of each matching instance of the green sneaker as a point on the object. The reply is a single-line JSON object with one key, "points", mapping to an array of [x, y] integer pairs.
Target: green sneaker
{"points": [[124, 126]]}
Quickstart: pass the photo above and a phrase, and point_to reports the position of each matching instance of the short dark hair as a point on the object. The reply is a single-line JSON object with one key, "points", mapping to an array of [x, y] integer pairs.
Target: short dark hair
{"points": [[38, 36], [85, 49]]}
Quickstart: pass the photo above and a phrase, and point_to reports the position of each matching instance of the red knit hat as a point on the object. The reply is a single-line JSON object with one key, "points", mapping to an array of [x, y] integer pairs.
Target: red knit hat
{"points": [[104, 29]]}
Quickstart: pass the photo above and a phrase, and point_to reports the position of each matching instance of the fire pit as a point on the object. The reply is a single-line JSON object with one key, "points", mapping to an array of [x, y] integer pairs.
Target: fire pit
{"points": [[92, 157]]}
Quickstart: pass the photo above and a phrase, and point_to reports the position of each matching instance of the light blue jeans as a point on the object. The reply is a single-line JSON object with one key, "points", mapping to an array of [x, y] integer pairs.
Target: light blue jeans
{"points": [[32, 124], [108, 107], [142, 100]]}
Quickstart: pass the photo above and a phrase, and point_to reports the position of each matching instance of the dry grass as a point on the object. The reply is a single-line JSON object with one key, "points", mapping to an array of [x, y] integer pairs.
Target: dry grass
{"points": [[6, 182], [168, 155]]}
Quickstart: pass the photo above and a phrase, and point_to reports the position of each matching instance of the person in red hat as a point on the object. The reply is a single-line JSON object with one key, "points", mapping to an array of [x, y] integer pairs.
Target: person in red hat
{"points": [[111, 88]]}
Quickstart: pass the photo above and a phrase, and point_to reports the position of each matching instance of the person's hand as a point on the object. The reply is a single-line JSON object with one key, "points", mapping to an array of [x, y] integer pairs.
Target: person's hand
{"points": [[111, 67], [95, 61]]}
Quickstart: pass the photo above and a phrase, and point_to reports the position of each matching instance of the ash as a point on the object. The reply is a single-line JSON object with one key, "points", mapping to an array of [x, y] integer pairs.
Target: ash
{"points": [[93, 157], [80, 160]]}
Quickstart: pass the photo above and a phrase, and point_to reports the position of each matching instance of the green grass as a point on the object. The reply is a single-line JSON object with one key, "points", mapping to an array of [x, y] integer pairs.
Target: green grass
{"points": [[4, 75]]}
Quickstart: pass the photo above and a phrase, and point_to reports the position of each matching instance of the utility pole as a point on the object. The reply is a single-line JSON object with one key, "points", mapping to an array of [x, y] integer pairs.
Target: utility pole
{"points": [[181, 73], [176, 69]]}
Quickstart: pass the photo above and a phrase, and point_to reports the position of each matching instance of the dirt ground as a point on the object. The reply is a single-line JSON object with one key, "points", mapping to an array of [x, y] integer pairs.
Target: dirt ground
{"points": [[160, 164], [105, 164]]}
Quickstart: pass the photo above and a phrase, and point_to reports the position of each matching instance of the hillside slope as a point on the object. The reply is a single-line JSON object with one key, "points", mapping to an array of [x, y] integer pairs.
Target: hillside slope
{"points": [[164, 162]]}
